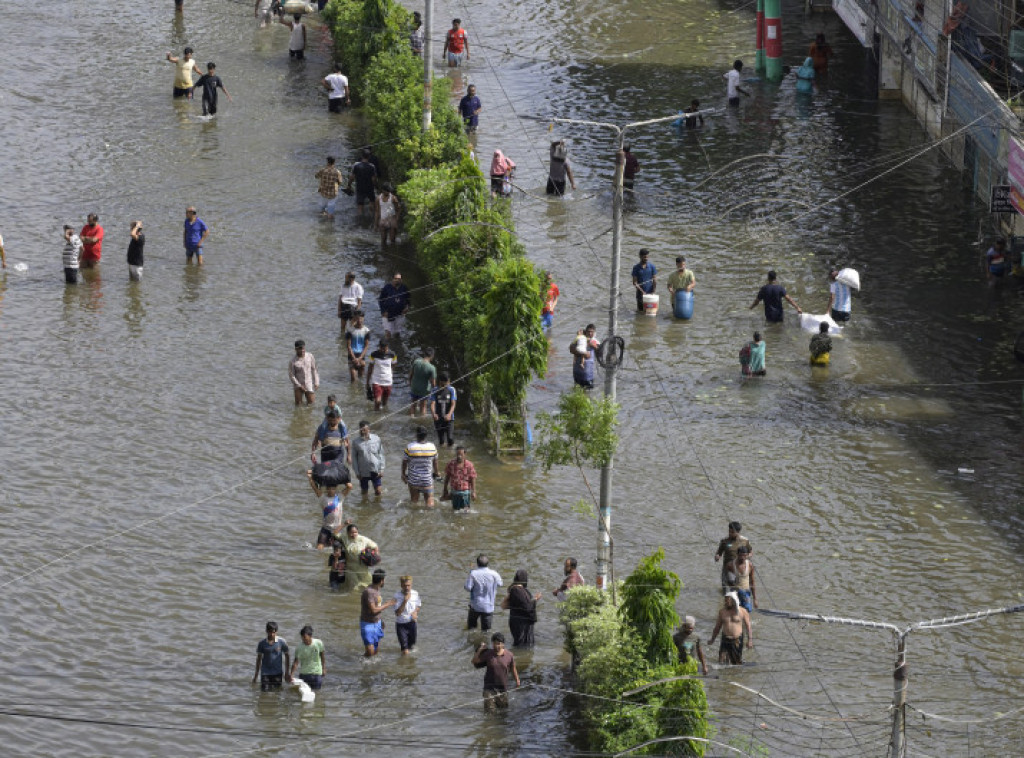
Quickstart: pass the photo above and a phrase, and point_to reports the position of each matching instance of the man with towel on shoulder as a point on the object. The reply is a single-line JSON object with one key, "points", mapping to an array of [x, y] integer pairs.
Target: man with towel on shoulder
{"points": [[733, 621]]}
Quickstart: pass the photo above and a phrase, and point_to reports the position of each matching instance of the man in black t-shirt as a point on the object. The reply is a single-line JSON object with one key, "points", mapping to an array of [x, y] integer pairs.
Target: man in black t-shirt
{"points": [[772, 295], [210, 82], [364, 174]]}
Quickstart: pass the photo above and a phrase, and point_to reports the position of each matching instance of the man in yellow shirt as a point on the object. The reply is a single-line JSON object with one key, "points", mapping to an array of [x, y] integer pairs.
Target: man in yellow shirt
{"points": [[183, 73]]}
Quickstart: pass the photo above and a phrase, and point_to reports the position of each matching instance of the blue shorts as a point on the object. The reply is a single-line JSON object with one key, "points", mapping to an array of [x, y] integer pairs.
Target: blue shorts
{"points": [[546, 320], [328, 204], [416, 398], [315, 681], [372, 633], [455, 59], [190, 251]]}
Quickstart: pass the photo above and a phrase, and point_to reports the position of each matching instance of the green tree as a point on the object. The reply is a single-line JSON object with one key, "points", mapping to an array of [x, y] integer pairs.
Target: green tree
{"points": [[648, 605], [582, 431], [609, 660]]}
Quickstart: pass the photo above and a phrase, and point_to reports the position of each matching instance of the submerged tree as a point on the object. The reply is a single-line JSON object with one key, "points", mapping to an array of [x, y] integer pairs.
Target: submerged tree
{"points": [[648, 605]]}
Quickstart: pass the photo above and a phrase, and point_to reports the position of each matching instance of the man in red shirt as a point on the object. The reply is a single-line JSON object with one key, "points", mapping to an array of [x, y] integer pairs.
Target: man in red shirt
{"points": [[92, 241], [547, 313], [456, 44]]}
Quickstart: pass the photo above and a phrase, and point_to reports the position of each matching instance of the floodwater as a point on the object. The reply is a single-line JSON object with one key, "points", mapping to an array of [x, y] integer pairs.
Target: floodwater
{"points": [[154, 509]]}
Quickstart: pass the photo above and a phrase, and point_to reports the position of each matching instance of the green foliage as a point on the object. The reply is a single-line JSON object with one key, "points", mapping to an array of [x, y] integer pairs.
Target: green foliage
{"points": [[492, 292], [582, 431], [648, 605], [609, 658], [362, 31]]}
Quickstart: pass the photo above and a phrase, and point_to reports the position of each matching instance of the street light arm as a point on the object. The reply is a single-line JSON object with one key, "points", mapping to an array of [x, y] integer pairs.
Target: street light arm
{"points": [[832, 620], [965, 618]]}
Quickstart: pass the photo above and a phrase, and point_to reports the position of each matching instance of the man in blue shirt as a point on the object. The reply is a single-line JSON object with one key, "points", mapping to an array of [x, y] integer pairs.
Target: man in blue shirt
{"points": [[482, 585], [644, 279], [394, 303], [195, 235], [772, 294], [270, 667], [469, 108]]}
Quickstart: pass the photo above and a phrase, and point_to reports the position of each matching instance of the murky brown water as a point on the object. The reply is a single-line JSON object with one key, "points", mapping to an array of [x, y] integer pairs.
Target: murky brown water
{"points": [[154, 512]]}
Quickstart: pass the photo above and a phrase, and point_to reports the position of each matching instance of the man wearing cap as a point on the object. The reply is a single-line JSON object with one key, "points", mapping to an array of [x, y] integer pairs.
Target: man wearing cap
{"points": [[303, 373], [733, 621], [380, 375], [688, 644]]}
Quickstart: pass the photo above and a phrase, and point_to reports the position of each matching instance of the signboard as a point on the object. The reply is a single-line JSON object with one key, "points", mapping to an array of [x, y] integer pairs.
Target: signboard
{"points": [[1015, 168], [1000, 201], [856, 20]]}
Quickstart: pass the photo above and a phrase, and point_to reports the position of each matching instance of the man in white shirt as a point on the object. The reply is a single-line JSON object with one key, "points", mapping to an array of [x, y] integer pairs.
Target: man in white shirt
{"points": [[732, 83], [336, 85], [482, 585], [350, 299], [407, 611]]}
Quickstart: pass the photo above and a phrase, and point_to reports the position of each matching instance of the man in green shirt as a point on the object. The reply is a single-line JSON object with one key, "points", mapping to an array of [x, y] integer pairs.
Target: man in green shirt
{"points": [[422, 382], [682, 279], [309, 659]]}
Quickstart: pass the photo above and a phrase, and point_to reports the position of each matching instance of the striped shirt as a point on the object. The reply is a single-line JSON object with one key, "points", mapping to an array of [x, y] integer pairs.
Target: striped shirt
{"points": [[420, 457], [842, 297], [72, 251]]}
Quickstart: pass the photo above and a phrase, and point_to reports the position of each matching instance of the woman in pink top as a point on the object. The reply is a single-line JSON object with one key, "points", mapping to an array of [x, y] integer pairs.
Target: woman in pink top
{"points": [[501, 169]]}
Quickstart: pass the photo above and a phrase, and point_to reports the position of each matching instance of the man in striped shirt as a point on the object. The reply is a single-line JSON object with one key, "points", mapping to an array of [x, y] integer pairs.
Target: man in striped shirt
{"points": [[419, 468], [838, 298]]}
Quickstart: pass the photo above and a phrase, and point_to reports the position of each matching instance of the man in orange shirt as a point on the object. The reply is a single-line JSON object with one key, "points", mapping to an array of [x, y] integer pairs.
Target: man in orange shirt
{"points": [[92, 242], [547, 313], [456, 44]]}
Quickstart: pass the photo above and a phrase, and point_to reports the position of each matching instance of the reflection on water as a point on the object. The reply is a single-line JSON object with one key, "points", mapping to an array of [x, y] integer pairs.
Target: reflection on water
{"points": [[846, 479]]}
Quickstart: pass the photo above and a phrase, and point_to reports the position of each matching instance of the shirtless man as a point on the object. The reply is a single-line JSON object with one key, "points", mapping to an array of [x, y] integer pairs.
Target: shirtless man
{"points": [[741, 578], [732, 621]]}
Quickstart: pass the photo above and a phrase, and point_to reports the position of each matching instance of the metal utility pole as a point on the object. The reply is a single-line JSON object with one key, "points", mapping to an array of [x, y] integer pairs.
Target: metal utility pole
{"points": [[604, 537], [897, 742], [428, 62]]}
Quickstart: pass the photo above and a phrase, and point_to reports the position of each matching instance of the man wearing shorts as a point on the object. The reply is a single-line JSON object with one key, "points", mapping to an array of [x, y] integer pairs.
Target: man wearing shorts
{"points": [[393, 302], [419, 468], [194, 236], [364, 176], [422, 382], [350, 299], [380, 375], [336, 84], [456, 44], [357, 342], [272, 660], [371, 629], [309, 659], [329, 179]]}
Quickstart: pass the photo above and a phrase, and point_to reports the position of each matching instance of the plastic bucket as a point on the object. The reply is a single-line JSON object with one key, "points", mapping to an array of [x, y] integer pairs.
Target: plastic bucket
{"points": [[650, 305]]}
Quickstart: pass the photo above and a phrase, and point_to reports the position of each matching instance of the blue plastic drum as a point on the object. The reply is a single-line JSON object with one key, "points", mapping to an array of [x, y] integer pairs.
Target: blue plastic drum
{"points": [[682, 304]]}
